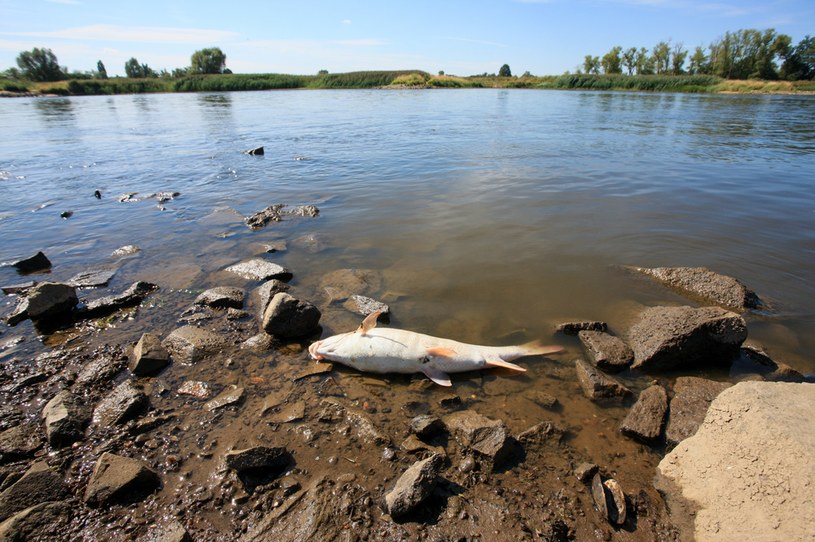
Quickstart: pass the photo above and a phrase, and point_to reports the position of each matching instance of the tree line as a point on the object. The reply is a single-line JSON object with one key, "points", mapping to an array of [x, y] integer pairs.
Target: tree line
{"points": [[41, 64], [744, 54]]}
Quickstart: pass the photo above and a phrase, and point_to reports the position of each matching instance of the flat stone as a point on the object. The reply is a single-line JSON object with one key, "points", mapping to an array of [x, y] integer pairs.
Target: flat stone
{"points": [[259, 269], [259, 343], [149, 356], [414, 486], [609, 353], [19, 288], [360, 304], [231, 396], [134, 295], [39, 484], [189, 344], [118, 479], [596, 384], [646, 418], [479, 433], [258, 457], [573, 328], [692, 397], [702, 284], [750, 467], [312, 369], [546, 400], [19, 441], [49, 300], [221, 297], [92, 278], [37, 262], [291, 412], [668, 338], [287, 317], [125, 402], [65, 417]]}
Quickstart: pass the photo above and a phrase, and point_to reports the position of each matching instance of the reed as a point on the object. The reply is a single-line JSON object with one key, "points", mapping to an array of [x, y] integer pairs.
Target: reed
{"points": [[651, 83]]}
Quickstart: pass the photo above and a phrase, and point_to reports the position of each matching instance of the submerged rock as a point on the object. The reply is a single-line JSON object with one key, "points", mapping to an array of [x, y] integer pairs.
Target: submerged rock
{"points": [[667, 338], [692, 397], [259, 269], [414, 486], [120, 479], [645, 419], [189, 344], [596, 384], [92, 278], [365, 305], [221, 297], [289, 317], [610, 353], [703, 284], [573, 328], [103, 306], [231, 396], [37, 262]]}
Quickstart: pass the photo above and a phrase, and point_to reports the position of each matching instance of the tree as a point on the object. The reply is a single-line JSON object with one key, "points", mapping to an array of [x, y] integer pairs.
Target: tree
{"points": [[210, 60], [505, 71], [137, 71], [799, 61], [698, 62], [591, 64], [102, 73], [678, 57], [630, 60], [661, 56], [645, 64], [325, 72], [40, 65], [611, 61]]}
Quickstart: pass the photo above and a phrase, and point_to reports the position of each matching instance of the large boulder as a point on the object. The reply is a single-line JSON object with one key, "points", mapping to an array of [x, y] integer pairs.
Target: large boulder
{"points": [[702, 284], [667, 338], [750, 468], [120, 479], [414, 486], [287, 317], [37, 262], [65, 417], [692, 397], [50, 300]]}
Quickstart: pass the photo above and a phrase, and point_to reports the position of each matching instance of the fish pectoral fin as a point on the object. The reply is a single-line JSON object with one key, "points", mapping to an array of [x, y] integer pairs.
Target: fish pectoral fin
{"points": [[439, 377], [441, 352], [504, 364], [369, 322]]}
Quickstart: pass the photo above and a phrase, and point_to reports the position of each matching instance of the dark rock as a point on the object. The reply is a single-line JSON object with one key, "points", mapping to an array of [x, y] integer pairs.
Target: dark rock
{"points": [[426, 426], [97, 194], [586, 471], [645, 419], [37, 262], [19, 313], [104, 368], [414, 486], [289, 317], [596, 384], [19, 441], [692, 397], [23, 382], [573, 328], [92, 278], [609, 353], [768, 368], [667, 338], [221, 297], [365, 305], [257, 151], [120, 479], [266, 291], [66, 418], [125, 402], [149, 356], [50, 300], [702, 284], [231, 396], [44, 521], [258, 457], [479, 433], [134, 295], [259, 269], [39, 484], [189, 344], [261, 218]]}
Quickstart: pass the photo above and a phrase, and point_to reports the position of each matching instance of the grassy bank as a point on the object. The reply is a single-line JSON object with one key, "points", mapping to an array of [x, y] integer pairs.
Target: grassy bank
{"points": [[402, 79]]}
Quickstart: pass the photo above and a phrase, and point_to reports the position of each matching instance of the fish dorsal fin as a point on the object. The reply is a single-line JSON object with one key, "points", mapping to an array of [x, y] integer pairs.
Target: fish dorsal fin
{"points": [[369, 323], [436, 375], [504, 364], [441, 352]]}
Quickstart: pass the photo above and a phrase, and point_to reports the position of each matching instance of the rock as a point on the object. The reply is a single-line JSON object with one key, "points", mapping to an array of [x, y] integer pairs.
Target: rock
{"points": [[125, 402], [596, 384], [103, 306], [257, 151], [413, 445], [667, 338], [360, 304], [363, 427], [768, 368], [609, 353], [542, 398], [261, 218], [259, 269], [92, 278], [289, 317], [266, 291], [231, 396], [127, 250], [149, 356], [750, 468], [645, 419], [39, 484], [598, 493], [171, 531], [118, 479], [702, 284], [307, 211], [50, 300], [289, 413], [104, 368], [44, 521], [221, 297], [259, 343], [258, 457], [426, 426], [19, 441], [65, 419], [195, 388], [479, 433], [37, 262], [692, 397], [345, 282], [414, 486], [19, 313], [316, 368], [573, 328], [188, 344], [615, 502], [19, 288], [586, 471]]}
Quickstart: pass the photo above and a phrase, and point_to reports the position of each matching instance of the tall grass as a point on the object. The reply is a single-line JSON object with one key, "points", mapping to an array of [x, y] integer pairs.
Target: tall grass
{"points": [[371, 79], [654, 83]]}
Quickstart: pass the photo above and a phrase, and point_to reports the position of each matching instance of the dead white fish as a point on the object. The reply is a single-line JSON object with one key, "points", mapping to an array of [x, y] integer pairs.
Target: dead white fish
{"points": [[389, 350]]}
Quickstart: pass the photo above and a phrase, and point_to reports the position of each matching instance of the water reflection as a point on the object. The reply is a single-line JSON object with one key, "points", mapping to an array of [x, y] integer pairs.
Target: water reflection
{"points": [[55, 109]]}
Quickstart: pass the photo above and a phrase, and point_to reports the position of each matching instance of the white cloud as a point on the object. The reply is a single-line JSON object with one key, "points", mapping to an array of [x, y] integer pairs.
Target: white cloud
{"points": [[138, 34], [346, 21]]}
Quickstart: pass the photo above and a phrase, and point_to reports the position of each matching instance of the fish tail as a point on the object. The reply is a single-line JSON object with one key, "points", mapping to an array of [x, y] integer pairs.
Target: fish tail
{"points": [[535, 348]]}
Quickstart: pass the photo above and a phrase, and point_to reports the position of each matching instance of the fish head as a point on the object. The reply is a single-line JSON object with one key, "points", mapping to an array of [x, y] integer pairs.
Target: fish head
{"points": [[331, 348]]}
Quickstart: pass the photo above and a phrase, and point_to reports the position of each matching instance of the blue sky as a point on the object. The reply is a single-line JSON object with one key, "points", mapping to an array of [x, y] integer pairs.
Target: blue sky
{"points": [[304, 36]]}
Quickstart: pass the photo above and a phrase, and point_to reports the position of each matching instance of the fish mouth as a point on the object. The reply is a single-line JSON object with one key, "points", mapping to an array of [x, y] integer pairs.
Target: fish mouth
{"points": [[312, 350]]}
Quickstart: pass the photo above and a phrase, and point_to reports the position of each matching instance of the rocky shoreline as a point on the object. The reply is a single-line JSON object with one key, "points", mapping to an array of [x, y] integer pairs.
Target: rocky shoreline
{"points": [[220, 429]]}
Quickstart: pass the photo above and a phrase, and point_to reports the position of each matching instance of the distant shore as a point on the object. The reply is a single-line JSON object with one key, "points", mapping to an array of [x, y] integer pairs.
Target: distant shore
{"points": [[705, 84]]}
